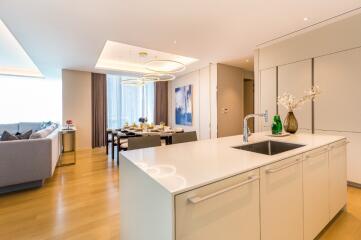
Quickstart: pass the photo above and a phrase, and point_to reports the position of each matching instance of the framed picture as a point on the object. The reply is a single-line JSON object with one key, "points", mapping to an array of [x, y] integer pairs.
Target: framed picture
{"points": [[184, 105]]}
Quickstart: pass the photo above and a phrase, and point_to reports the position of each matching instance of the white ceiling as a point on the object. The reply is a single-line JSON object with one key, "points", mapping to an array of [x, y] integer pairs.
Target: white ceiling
{"points": [[126, 58], [71, 33]]}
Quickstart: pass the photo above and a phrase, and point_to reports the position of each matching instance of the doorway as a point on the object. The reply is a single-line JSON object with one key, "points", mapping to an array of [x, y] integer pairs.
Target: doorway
{"points": [[248, 103]]}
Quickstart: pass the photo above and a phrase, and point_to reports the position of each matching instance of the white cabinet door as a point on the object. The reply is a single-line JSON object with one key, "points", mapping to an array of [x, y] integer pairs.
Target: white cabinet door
{"points": [[338, 76], [228, 209], [282, 200], [338, 181], [353, 154], [296, 78], [315, 192], [268, 98]]}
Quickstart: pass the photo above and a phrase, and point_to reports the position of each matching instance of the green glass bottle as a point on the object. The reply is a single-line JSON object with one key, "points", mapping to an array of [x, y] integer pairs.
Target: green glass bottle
{"points": [[276, 125]]}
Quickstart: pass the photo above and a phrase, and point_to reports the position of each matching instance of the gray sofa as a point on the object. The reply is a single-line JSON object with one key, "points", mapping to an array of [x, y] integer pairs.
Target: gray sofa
{"points": [[27, 163]]}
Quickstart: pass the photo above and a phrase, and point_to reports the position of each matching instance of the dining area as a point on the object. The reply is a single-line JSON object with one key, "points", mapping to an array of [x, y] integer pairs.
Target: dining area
{"points": [[143, 135]]}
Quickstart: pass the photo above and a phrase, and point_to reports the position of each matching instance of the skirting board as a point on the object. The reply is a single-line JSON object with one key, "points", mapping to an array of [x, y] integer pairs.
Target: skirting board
{"points": [[353, 184], [21, 186]]}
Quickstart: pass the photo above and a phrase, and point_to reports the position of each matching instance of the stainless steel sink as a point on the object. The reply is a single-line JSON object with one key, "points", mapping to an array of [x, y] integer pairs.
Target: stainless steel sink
{"points": [[269, 147]]}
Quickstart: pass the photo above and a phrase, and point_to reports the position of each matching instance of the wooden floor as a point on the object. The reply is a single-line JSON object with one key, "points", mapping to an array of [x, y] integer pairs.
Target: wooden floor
{"points": [[82, 202]]}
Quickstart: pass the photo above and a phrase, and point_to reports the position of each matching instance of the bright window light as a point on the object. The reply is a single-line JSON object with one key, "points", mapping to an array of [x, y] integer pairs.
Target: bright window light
{"points": [[24, 99]]}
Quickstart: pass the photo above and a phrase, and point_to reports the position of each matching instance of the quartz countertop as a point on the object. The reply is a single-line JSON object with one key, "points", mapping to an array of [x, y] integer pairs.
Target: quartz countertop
{"points": [[182, 167]]}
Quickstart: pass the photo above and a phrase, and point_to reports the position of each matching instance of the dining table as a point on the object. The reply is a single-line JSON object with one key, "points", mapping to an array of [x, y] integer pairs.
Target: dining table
{"points": [[118, 135]]}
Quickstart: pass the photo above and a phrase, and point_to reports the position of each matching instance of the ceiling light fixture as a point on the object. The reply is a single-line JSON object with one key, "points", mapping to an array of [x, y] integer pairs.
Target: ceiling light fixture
{"points": [[305, 19], [165, 66], [161, 77], [135, 82]]}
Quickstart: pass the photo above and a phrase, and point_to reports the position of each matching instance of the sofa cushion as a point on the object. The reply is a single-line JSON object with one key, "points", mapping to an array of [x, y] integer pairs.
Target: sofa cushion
{"points": [[43, 133], [24, 135], [6, 136], [26, 126], [10, 128], [45, 124]]}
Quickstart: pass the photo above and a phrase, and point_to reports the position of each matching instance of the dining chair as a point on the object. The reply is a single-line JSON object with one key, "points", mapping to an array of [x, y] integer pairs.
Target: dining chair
{"points": [[144, 142], [184, 137]]}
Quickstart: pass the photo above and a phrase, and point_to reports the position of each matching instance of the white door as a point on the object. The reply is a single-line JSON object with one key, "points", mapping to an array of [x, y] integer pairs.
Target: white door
{"points": [[228, 209], [338, 178], [282, 200], [315, 192], [268, 98], [296, 78]]}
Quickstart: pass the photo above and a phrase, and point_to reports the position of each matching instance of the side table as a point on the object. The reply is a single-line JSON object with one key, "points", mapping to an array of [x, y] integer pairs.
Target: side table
{"points": [[67, 140]]}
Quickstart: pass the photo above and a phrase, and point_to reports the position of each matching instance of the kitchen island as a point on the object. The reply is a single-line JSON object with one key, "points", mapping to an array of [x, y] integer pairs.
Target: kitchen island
{"points": [[208, 190]]}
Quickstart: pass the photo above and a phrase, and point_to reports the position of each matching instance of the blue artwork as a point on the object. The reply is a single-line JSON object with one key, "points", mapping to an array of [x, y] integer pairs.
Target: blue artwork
{"points": [[183, 106]]}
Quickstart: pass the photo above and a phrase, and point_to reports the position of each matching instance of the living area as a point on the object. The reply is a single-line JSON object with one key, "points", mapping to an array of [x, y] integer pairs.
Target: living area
{"points": [[157, 120]]}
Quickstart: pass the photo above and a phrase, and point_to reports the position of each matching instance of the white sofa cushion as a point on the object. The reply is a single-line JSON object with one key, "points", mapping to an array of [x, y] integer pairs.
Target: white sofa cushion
{"points": [[43, 133]]}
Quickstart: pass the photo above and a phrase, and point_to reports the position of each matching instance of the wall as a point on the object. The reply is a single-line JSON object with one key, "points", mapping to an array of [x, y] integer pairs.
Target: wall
{"points": [[77, 104], [204, 103], [328, 39], [230, 100], [329, 56]]}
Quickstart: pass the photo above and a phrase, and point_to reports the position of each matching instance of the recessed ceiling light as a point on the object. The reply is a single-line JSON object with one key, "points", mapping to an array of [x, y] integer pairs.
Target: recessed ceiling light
{"points": [[175, 41], [305, 19]]}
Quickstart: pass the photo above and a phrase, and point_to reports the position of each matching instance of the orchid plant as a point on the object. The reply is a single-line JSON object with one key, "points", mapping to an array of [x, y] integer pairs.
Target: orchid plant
{"points": [[290, 102]]}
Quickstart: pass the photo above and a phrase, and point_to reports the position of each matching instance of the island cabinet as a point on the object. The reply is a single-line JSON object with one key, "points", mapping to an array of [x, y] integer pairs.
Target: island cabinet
{"points": [[228, 209], [289, 196], [315, 192], [282, 200]]}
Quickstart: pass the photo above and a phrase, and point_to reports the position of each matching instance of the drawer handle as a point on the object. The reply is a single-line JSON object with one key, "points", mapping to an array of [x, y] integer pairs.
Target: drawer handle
{"points": [[339, 145], [196, 199], [317, 154], [283, 166]]}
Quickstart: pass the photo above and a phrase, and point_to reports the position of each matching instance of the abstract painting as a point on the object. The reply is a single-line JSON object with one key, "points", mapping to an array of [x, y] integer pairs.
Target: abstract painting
{"points": [[183, 105]]}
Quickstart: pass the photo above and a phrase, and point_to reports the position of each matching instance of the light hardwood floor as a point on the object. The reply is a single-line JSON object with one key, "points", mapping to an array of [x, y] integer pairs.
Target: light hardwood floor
{"points": [[82, 202]]}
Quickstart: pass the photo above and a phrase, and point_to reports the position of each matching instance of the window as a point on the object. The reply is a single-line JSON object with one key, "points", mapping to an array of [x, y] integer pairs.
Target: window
{"points": [[24, 99], [128, 103]]}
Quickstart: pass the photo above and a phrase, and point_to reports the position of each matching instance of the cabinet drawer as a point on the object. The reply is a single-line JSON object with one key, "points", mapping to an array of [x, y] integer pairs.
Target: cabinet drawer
{"points": [[282, 200], [228, 209]]}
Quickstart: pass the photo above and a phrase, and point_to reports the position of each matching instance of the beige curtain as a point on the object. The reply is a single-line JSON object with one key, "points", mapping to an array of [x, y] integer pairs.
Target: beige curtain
{"points": [[161, 102], [99, 109]]}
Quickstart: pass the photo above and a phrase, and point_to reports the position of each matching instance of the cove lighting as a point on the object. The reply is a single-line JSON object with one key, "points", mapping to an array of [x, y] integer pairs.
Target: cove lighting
{"points": [[14, 61]]}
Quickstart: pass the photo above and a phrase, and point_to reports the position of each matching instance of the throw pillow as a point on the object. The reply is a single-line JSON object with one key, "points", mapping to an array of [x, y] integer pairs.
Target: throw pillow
{"points": [[45, 125], [24, 135], [6, 136]]}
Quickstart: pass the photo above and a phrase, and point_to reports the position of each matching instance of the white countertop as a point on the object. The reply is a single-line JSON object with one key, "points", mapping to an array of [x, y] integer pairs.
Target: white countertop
{"points": [[182, 167]]}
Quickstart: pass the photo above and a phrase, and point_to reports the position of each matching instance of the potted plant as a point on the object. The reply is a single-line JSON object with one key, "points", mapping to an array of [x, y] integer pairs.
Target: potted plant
{"points": [[288, 101]]}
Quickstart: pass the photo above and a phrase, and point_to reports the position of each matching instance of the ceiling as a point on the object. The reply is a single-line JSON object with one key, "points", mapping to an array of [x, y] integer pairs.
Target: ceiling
{"points": [[131, 59], [71, 34], [14, 60]]}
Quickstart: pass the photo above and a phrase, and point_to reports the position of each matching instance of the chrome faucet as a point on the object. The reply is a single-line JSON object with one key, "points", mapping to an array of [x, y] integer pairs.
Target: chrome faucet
{"points": [[245, 123]]}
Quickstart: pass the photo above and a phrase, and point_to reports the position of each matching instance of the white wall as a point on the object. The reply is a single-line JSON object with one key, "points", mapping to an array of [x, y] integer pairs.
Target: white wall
{"points": [[77, 104], [336, 50], [25, 99], [204, 102]]}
